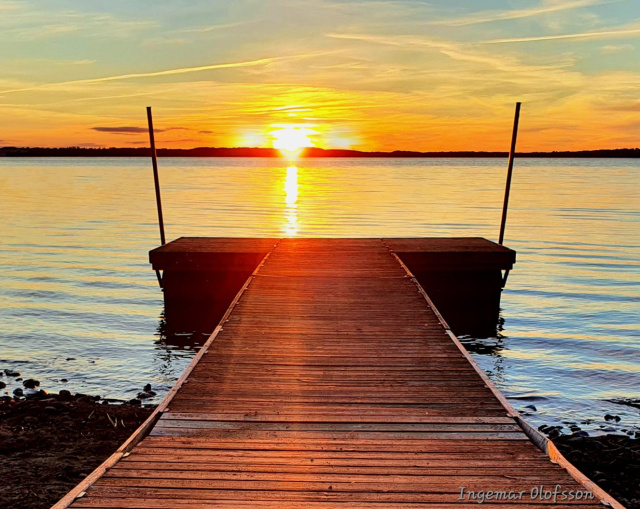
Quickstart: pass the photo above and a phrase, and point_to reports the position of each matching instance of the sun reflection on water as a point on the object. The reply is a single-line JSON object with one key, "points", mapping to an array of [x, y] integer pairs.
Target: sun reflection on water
{"points": [[291, 202]]}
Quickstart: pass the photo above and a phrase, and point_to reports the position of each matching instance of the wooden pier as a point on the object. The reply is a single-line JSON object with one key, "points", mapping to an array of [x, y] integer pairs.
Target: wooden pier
{"points": [[332, 381]]}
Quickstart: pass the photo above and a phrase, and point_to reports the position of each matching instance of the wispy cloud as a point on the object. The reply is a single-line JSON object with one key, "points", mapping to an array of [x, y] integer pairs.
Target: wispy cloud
{"points": [[616, 48], [160, 41], [454, 50], [123, 130], [214, 28], [168, 72], [28, 25], [584, 35], [546, 8], [136, 130]]}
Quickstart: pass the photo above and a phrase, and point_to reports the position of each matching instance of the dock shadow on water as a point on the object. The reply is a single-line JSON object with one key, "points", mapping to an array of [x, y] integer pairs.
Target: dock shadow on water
{"points": [[186, 332]]}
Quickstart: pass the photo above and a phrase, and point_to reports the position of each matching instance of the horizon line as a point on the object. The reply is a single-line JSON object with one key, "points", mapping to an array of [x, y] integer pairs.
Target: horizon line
{"points": [[13, 151]]}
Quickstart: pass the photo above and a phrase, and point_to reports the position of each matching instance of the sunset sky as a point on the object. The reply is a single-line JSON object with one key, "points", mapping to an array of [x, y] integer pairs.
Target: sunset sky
{"points": [[368, 75]]}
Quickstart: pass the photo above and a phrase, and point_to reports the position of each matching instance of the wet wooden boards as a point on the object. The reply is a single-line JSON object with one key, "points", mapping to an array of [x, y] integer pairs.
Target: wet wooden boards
{"points": [[332, 384]]}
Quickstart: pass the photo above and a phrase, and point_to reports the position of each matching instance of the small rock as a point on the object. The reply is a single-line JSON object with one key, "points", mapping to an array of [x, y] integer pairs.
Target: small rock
{"points": [[31, 383], [51, 410], [64, 380], [36, 394], [71, 358], [554, 433], [10, 372], [65, 395], [18, 392], [136, 402], [580, 434]]}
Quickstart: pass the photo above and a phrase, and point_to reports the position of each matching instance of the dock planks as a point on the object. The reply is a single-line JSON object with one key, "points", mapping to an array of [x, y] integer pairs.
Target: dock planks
{"points": [[331, 384]]}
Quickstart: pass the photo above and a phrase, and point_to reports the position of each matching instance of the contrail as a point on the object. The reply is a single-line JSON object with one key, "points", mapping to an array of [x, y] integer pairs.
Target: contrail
{"points": [[584, 35], [168, 72], [523, 13]]}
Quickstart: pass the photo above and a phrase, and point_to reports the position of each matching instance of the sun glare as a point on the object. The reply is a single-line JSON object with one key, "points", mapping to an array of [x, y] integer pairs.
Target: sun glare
{"points": [[291, 139]]}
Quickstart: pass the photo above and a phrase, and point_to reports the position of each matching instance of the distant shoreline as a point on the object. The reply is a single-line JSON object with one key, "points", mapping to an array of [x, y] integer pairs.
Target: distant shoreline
{"points": [[307, 153]]}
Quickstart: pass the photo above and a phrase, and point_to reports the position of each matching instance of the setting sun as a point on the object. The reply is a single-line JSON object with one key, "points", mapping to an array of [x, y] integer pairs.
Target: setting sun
{"points": [[292, 138]]}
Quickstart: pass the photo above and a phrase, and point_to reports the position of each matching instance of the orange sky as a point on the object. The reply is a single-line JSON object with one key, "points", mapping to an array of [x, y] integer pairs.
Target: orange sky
{"points": [[368, 75]]}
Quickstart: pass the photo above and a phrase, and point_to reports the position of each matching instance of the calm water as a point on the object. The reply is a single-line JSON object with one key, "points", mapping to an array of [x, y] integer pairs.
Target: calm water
{"points": [[79, 301]]}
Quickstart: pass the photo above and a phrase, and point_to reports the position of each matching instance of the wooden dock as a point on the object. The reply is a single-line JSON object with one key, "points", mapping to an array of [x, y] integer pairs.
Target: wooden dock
{"points": [[332, 382]]}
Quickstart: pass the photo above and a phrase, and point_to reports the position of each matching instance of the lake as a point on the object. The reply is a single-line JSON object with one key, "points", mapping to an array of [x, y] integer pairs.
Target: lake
{"points": [[80, 302]]}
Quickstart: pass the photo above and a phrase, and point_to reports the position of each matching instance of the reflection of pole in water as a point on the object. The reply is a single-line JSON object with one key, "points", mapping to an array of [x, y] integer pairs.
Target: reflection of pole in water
{"points": [[291, 201]]}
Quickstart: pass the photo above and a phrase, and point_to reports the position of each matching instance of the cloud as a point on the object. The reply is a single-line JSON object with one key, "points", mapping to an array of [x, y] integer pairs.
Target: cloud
{"points": [[159, 41], [168, 72], [583, 35], [613, 48], [456, 51], [521, 13], [124, 130], [90, 145], [28, 25], [214, 28], [136, 130]]}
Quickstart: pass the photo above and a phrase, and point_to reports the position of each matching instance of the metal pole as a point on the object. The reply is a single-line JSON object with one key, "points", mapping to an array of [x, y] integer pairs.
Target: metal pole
{"points": [[155, 175], [507, 189]]}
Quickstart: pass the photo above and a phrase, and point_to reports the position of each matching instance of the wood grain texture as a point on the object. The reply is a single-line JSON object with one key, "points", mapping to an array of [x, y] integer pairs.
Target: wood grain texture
{"points": [[331, 384]]}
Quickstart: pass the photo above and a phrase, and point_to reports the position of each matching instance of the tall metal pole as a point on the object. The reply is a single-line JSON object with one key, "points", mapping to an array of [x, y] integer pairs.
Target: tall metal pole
{"points": [[507, 189], [155, 174]]}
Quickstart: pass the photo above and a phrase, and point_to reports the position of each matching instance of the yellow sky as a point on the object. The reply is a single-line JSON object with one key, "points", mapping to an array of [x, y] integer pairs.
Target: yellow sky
{"points": [[368, 75]]}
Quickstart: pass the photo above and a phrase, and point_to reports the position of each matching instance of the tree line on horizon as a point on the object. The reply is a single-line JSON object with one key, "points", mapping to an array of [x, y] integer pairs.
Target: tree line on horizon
{"points": [[271, 152]]}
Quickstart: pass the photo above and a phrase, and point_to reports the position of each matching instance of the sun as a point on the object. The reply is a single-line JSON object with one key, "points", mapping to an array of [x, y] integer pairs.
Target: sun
{"points": [[291, 139]]}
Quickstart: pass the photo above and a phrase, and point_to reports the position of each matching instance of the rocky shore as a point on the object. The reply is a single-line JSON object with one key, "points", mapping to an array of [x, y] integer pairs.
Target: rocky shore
{"points": [[50, 442], [611, 461]]}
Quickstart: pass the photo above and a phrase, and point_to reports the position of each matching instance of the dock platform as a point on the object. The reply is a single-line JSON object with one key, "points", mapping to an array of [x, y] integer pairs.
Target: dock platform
{"points": [[463, 276], [332, 381]]}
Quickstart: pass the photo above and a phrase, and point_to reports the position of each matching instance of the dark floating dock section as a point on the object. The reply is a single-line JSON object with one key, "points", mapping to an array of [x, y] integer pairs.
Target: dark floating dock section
{"points": [[332, 381], [463, 276]]}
